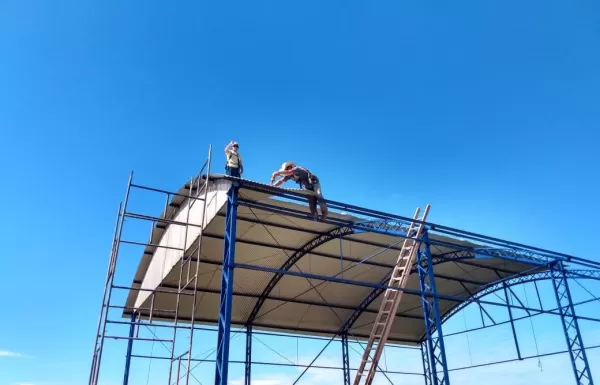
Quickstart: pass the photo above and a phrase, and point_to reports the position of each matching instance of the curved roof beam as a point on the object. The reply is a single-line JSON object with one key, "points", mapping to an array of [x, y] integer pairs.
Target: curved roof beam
{"points": [[388, 227], [442, 258], [292, 260], [515, 254], [513, 281]]}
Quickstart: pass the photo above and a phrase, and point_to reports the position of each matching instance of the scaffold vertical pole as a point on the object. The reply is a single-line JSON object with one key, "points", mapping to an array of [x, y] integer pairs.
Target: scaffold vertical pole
{"points": [[198, 257], [579, 361], [109, 283], [101, 318], [129, 349], [512, 319], [180, 288], [248, 362], [431, 314], [426, 365], [222, 364], [345, 359]]}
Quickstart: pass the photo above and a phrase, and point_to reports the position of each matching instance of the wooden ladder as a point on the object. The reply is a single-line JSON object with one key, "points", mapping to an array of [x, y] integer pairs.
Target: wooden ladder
{"points": [[391, 300]]}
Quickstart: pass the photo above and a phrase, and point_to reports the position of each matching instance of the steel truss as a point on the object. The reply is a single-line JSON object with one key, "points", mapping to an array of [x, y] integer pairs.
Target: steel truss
{"points": [[226, 289], [346, 359], [435, 353], [546, 265], [579, 361]]}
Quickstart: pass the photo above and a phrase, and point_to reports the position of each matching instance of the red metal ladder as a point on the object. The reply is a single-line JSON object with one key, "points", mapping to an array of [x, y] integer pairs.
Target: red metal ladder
{"points": [[391, 300]]}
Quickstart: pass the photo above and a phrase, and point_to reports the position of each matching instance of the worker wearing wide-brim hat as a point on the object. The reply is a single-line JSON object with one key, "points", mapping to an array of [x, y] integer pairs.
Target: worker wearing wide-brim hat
{"points": [[234, 165], [307, 180]]}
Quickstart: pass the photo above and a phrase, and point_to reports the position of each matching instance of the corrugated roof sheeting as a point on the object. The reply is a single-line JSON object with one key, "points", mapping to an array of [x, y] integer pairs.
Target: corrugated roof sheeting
{"points": [[312, 304]]}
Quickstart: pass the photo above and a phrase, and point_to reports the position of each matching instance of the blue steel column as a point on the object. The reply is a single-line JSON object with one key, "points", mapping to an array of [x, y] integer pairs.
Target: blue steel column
{"points": [[512, 320], [433, 324], [248, 362], [426, 366], [581, 366], [129, 349], [222, 361], [345, 359]]}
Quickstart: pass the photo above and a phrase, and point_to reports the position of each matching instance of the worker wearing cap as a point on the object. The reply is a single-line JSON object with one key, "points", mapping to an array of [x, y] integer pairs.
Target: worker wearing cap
{"points": [[234, 165], [306, 180]]}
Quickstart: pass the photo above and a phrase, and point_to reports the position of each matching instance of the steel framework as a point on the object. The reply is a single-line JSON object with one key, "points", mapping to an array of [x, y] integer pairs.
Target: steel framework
{"points": [[180, 343]]}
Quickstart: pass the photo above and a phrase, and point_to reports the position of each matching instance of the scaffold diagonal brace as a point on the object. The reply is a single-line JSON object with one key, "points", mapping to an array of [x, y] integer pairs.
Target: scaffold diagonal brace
{"points": [[579, 361]]}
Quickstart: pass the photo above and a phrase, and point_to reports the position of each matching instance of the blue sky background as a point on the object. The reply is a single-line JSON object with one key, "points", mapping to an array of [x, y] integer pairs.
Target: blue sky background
{"points": [[497, 100]]}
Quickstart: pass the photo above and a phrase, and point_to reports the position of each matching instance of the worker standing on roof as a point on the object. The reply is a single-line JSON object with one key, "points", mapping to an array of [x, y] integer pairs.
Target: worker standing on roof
{"points": [[306, 180], [234, 165]]}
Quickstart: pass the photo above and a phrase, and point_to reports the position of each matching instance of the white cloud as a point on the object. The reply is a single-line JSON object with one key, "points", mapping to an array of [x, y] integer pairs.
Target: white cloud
{"points": [[8, 353]]}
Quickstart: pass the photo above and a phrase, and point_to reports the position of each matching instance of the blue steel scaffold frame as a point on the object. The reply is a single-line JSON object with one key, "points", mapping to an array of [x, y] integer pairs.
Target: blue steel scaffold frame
{"points": [[512, 319], [345, 359], [248, 361], [434, 350], [579, 361], [426, 363], [222, 364], [129, 349]]}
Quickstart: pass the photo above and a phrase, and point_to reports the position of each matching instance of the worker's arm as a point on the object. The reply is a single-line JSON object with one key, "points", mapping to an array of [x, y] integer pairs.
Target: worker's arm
{"points": [[281, 172], [279, 182]]}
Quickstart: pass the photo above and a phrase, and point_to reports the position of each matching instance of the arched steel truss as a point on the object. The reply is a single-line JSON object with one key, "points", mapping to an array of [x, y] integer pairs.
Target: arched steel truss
{"points": [[317, 241], [375, 293], [520, 279], [388, 227]]}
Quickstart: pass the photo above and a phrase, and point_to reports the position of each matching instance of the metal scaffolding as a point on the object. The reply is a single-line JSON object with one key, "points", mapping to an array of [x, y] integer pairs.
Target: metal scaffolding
{"points": [[170, 300]]}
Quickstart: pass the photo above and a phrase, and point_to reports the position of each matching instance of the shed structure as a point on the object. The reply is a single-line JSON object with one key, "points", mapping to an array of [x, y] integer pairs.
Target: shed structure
{"points": [[228, 251], [291, 240]]}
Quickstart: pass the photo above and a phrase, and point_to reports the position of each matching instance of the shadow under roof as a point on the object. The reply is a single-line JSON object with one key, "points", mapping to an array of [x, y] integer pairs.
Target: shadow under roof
{"points": [[293, 303]]}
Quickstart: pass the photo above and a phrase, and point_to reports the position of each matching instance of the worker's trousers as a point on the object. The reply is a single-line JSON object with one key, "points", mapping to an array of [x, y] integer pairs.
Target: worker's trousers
{"points": [[312, 200], [233, 171]]}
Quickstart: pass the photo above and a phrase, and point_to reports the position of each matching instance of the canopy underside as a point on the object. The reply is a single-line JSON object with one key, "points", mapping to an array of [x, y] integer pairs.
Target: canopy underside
{"points": [[295, 304]]}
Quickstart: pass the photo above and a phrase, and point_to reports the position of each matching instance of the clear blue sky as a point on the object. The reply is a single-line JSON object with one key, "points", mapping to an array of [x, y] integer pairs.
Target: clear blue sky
{"points": [[496, 101]]}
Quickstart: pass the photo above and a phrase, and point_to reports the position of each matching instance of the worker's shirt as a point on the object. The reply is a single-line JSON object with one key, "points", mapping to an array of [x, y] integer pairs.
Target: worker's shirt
{"points": [[302, 177], [234, 159]]}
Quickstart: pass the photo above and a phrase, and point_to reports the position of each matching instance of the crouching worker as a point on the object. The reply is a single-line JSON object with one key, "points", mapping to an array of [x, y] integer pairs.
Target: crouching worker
{"points": [[307, 181], [234, 165]]}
